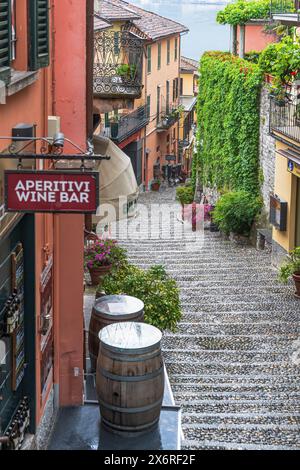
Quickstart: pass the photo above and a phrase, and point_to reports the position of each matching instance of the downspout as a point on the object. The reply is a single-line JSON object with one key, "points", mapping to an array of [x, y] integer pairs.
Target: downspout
{"points": [[89, 67], [53, 78]]}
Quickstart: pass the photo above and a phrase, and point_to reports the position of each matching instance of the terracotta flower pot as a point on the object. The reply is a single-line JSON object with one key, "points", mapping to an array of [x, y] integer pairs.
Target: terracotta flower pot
{"points": [[97, 273], [296, 277], [155, 186]]}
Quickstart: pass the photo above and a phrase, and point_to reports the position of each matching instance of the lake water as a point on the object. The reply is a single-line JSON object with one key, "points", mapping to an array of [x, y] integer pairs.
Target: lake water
{"points": [[205, 33]]}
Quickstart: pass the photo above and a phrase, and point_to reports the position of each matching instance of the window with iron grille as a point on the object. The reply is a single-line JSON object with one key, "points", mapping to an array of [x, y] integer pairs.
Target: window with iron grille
{"points": [[39, 34]]}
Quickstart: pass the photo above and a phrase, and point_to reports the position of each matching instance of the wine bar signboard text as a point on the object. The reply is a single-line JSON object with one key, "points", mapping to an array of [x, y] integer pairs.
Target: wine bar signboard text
{"points": [[51, 191]]}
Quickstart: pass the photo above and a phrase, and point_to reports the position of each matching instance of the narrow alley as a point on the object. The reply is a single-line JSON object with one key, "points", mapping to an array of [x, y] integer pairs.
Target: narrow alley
{"points": [[232, 363]]}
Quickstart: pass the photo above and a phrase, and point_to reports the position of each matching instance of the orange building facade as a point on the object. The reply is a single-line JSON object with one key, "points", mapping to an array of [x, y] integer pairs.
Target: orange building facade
{"points": [[43, 89]]}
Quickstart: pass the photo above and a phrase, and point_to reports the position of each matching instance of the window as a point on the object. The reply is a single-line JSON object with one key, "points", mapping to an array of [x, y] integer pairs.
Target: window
{"points": [[168, 51], [148, 106], [176, 49], [174, 90], [181, 86], [158, 104], [167, 97], [149, 59], [159, 55], [39, 34]]}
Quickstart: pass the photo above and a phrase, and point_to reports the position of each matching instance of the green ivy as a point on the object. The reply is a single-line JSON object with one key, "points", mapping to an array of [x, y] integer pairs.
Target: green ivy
{"points": [[228, 123], [242, 11]]}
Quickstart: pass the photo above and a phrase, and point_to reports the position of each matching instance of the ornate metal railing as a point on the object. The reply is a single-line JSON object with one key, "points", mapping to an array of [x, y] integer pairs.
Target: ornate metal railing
{"points": [[285, 119], [129, 124], [118, 62], [287, 8]]}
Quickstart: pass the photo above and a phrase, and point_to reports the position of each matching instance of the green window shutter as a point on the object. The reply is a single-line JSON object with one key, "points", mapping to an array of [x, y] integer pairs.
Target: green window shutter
{"points": [[116, 43], [5, 39], [148, 106], [167, 97], [168, 51], [149, 59], [39, 34], [176, 49], [159, 56]]}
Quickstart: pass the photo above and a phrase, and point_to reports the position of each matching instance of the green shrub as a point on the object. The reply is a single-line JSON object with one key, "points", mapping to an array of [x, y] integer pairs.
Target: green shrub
{"points": [[290, 267], [185, 194], [236, 211], [154, 287]]}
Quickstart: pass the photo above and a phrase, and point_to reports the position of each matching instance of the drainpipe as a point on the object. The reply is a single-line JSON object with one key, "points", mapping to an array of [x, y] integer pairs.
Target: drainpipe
{"points": [[242, 41], [89, 67], [53, 79]]}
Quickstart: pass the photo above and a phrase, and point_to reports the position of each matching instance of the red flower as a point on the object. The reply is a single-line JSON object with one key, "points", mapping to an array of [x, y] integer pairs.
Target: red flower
{"points": [[294, 73]]}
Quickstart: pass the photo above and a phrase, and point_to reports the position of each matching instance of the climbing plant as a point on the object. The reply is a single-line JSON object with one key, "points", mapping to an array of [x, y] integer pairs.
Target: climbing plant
{"points": [[228, 123], [242, 11]]}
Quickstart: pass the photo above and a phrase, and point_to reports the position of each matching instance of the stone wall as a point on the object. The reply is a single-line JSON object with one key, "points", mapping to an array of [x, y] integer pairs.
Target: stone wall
{"points": [[266, 150]]}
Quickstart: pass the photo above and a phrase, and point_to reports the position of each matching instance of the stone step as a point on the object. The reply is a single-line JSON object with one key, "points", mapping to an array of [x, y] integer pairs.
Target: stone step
{"points": [[190, 444], [224, 419], [234, 396], [252, 317], [249, 386], [233, 307], [281, 435], [238, 380], [237, 328], [224, 356], [255, 368], [246, 342], [241, 406]]}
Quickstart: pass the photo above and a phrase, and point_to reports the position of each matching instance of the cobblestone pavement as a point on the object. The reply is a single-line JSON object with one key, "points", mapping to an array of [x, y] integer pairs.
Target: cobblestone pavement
{"points": [[232, 363]]}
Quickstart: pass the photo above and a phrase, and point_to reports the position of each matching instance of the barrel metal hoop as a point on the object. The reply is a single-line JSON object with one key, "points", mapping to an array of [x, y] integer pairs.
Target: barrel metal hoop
{"points": [[122, 358], [130, 351], [121, 409], [136, 378], [129, 428]]}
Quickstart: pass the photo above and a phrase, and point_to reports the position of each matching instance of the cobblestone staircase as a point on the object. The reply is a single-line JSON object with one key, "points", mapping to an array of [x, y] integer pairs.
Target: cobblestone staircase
{"points": [[230, 362]]}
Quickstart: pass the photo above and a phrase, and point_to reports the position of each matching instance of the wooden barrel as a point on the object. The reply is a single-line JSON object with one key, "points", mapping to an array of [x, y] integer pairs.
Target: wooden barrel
{"points": [[130, 377], [111, 309]]}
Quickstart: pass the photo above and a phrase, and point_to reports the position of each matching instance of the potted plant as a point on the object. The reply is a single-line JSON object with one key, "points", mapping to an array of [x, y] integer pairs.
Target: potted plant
{"points": [[114, 126], [291, 268], [127, 71], [103, 256], [185, 195], [155, 185]]}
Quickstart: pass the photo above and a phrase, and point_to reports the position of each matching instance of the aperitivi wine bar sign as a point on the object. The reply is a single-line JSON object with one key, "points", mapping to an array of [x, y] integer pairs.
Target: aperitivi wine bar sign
{"points": [[51, 191]]}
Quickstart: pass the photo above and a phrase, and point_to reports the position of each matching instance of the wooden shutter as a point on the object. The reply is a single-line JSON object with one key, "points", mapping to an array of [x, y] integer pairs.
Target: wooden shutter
{"points": [[5, 39], [39, 34]]}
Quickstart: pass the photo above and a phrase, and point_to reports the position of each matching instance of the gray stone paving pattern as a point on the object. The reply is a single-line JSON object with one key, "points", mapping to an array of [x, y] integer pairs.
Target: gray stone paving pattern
{"points": [[230, 362]]}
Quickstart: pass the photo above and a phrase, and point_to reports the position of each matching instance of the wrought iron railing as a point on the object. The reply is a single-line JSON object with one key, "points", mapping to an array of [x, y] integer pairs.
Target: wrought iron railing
{"points": [[288, 8], [118, 62], [285, 119], [129, 124]]}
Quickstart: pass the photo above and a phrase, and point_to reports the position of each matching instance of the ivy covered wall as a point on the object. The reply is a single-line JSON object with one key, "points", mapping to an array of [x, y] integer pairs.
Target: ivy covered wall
{"points": [[228, 123]]}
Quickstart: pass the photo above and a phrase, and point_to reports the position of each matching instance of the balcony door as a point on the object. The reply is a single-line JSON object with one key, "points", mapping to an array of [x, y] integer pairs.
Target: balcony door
{"points": [[297, 234]]}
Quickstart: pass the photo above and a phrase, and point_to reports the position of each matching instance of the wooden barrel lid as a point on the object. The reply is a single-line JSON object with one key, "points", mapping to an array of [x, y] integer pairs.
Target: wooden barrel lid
{"points": [[130, 337], [120, 306]]}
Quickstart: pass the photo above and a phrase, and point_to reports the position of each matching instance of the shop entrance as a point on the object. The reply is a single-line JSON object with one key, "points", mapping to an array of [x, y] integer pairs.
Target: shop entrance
{"points": [[297, 235]]}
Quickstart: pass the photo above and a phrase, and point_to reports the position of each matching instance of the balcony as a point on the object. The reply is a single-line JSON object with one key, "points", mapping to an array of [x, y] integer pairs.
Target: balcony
{"points": [[285, 12], [127, 125], [167, 118], [118, 61], [285, 121]]}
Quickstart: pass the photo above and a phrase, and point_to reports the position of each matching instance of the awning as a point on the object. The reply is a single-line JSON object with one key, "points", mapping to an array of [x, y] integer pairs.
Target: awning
{"points": [[118, 185], [188, 102]]}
